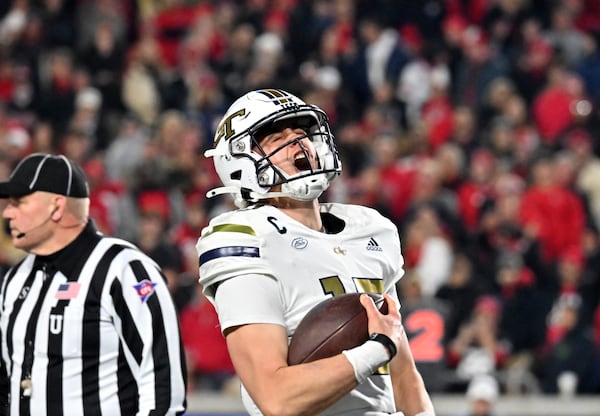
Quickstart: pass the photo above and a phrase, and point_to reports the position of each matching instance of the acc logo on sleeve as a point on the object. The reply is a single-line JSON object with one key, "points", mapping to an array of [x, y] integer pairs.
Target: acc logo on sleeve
{"points": [[144, 289]]}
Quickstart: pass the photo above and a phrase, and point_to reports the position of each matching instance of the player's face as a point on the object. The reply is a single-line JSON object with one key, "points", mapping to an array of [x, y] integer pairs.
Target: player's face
{"points": [[295, 154]]}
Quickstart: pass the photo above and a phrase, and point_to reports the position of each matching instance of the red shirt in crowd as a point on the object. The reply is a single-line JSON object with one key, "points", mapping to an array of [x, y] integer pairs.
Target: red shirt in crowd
{"points": [[202, 339], [552, 113], [558, 215]]}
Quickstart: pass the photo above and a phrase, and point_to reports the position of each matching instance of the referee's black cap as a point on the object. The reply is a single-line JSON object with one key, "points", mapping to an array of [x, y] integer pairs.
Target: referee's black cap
{"points": [[56, 174]]}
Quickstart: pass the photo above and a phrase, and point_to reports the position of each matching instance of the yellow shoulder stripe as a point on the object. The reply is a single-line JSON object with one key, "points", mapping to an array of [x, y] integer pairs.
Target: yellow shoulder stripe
{"points": [[231, 228]]}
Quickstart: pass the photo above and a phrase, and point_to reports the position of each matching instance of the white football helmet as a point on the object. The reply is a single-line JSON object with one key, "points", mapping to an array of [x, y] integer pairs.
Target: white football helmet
{"points": [[245, 168]]}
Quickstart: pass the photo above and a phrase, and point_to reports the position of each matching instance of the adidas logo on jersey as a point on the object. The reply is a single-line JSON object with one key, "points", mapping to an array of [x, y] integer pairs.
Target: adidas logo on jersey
{"points": [[372, 245]]}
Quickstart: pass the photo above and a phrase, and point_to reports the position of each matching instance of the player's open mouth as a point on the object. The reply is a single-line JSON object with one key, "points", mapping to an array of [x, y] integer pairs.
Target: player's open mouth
{"points": [[301, 162]]}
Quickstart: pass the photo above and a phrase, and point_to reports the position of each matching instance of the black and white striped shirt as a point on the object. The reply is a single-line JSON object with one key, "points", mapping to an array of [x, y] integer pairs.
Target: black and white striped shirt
{"points": [[89, 330]]}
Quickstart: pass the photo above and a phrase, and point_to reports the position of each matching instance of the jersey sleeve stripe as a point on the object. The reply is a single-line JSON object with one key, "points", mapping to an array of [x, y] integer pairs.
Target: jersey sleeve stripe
{"points": [[231, 228], [130, 333], [91, 335], [128, 387], [232, 251], [160, 348]]}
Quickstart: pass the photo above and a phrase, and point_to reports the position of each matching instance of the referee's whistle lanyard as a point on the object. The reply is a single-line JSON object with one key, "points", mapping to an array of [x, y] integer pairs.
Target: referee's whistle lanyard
{"points": [[29, 348]]}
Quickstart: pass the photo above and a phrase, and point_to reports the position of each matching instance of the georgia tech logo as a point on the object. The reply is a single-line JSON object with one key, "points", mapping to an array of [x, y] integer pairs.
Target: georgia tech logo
{"points": [[339, 250], [225, 131]]}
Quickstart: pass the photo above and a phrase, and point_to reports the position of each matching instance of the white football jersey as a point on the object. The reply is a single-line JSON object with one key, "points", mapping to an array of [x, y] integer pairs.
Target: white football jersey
{"points": [[360, 253]]}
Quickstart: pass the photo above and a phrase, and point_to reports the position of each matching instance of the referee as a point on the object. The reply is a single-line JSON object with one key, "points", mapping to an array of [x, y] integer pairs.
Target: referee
{"points": [[87, 324]]}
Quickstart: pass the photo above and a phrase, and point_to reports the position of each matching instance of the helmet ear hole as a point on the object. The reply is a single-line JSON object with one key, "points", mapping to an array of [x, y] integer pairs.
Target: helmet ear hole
{"points": [[236, 176]]}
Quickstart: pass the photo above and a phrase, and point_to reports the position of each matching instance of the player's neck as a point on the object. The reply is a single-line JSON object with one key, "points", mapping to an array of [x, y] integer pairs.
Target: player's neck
{"points": [[305, 212]]}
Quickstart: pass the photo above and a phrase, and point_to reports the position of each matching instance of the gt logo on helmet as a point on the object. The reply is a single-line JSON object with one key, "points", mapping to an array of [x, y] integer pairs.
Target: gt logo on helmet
{"points": [[225, 131]]}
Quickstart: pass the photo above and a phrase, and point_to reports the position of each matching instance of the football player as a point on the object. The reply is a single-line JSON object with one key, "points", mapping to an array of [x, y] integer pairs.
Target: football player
{"points": [[266, 264]]}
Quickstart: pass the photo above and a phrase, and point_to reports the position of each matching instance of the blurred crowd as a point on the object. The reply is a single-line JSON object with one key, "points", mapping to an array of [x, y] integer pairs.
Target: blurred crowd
{"points": [[472, 124]]}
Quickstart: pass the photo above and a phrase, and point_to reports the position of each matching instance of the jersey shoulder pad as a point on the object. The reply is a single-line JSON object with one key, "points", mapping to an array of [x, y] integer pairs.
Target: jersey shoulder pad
{"points": [[235, 225], [230, 246], [360, 216]]}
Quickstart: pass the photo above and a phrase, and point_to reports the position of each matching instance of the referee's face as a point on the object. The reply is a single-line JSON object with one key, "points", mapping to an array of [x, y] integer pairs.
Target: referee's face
{"points": [[29, 220]]}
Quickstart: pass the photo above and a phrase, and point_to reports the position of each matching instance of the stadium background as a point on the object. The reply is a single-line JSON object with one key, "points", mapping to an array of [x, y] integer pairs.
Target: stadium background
{"points": [[472, 124]]}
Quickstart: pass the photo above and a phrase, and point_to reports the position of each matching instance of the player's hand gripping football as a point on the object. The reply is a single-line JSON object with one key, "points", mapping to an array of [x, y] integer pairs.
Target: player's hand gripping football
{"points": [[389, 324]]}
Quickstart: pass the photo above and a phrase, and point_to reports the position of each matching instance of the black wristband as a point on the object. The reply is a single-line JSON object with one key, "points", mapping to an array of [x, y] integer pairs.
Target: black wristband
{"points": [[386, 341]]}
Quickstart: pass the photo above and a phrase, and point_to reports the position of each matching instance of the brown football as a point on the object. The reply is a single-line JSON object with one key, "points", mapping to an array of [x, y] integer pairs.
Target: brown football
{"points": [[334, 325]]}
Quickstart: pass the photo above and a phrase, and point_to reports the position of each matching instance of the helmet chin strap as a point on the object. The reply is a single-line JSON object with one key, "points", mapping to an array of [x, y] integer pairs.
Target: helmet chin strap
{"points": [[235, 190], [299, 190], [253, 195], [307, 188]]}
